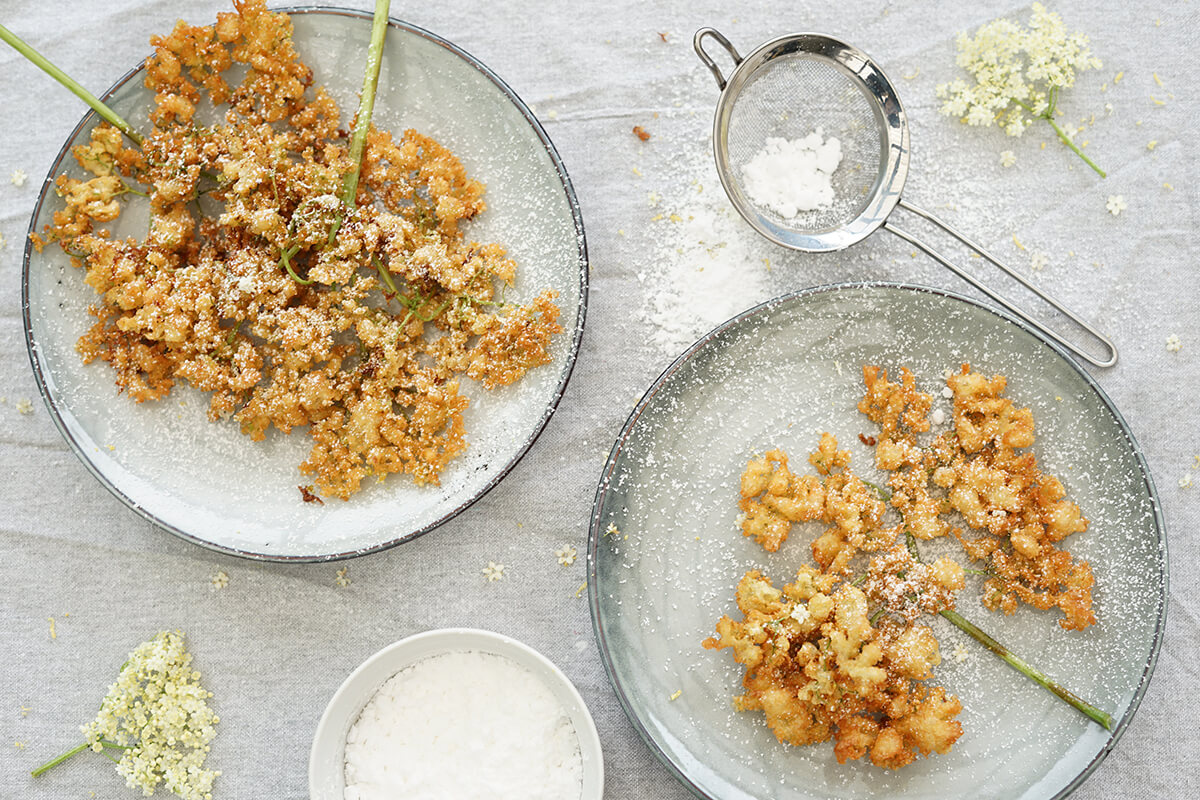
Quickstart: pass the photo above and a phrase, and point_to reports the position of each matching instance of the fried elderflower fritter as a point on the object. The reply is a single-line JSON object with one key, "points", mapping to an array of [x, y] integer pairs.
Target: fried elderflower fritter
{"points": [[818, 669], [257, 284], [980, 471], [829, 656]]}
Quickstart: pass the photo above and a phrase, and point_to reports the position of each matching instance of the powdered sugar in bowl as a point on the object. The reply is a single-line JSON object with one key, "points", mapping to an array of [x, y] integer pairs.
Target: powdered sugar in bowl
{"points": [[456, 712]]}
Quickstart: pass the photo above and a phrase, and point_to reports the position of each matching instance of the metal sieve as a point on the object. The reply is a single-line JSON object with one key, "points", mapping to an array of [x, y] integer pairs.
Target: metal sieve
{"points": [[794, 85]]}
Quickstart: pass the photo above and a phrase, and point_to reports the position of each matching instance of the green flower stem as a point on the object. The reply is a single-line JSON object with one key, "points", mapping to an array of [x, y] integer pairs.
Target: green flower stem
{"points": [[66, 80], [1048, 115], [285, 258], [74, 751], [1037, 676], [1014, 661], [366, 106], [1067, 141], [384, 275]]}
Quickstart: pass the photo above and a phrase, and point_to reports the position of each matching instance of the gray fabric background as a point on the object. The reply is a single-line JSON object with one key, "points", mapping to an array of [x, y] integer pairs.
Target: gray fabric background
{"points": [[278, 640]]}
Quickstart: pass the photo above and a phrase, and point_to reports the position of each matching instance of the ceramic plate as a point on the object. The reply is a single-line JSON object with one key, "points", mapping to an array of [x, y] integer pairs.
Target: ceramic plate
{"points": [[779, 375], [208, 483]]}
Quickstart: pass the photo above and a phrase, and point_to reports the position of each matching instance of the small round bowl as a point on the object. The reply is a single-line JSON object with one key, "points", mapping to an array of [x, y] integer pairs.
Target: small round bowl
{"points": [[326, 761]]}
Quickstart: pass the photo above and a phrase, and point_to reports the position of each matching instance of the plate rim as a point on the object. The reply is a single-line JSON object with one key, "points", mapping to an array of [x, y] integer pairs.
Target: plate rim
{"points": [[31, 346], [677, 770]]}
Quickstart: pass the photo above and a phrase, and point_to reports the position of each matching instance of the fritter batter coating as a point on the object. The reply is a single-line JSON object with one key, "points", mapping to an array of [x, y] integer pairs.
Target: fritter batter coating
{"points": [[257, 284], [818, 669]]}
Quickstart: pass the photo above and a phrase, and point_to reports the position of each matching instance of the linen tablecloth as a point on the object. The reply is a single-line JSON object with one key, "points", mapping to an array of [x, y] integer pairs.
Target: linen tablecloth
{"points": [[277, 640]]}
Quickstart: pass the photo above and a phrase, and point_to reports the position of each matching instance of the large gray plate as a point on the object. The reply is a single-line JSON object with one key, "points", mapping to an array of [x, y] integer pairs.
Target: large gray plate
{"points": [[211, 485], [779, 375]]}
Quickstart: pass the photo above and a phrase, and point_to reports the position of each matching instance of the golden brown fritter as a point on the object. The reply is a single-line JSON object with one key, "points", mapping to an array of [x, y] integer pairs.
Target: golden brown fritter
{"points": [[258, 284], [818, 668]]}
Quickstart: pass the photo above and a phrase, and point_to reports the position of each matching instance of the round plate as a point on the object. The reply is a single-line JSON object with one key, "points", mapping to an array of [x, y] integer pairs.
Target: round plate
{"points": [[211, 485], [779, 375]]}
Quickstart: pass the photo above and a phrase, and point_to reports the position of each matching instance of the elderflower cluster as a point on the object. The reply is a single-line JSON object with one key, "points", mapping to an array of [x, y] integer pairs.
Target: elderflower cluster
{"points": [[1016, 69], [157, 710]]}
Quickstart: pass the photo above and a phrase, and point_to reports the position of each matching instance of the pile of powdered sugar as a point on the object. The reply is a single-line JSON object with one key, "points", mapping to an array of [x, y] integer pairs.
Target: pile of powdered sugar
{"points": [[793, 175], [463, 724]]}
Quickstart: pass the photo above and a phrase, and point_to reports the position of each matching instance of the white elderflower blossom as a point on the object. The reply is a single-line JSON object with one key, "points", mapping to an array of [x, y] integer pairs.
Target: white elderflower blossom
{"points": [[565, 555], [1007, 158], [18, 177], [157, 716], [1174, 344], [1019, 72], [1038, 261], [1116, 204]]}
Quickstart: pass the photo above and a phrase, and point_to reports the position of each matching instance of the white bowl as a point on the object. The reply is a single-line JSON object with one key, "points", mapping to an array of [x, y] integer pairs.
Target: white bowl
{"points": [[326, 761]]}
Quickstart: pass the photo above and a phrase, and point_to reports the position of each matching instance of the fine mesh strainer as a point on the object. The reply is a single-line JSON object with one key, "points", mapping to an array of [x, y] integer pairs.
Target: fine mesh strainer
{"points": [[801, 83]]}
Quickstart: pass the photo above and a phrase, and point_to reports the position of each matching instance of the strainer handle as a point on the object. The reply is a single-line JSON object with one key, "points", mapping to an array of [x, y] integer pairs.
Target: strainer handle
{"points": [[1008, 304], [698, 44]]}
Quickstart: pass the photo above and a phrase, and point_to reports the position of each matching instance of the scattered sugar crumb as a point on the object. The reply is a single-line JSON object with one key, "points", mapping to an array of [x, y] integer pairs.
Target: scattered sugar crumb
{"points": [[24, 406], [947, 392], [961, 653], [342, 578], [1186, 481], [53, 632], [1007, 158], [938, 416], [1038, 261], [565, 555], [18, 177], [220, 580], [1173, 343], [493, 571], [1116, 204]]}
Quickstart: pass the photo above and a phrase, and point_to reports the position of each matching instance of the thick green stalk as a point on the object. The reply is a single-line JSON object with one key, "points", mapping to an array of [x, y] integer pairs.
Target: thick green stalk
{"points": [[1014, 661], [66, 80], [366, 101], [366, 107], [1036, 675]]}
